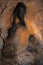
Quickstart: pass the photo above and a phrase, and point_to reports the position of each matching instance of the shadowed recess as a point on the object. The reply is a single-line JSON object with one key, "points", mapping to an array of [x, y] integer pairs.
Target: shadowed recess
{"points": [[19, 12]]}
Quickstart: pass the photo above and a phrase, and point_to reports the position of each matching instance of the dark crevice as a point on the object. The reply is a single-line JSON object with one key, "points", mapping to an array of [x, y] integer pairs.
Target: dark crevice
{"points": [[19, 12]]}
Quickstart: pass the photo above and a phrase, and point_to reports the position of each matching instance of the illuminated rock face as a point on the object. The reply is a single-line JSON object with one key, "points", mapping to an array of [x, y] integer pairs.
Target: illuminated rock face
{"points": [[21, 40]]}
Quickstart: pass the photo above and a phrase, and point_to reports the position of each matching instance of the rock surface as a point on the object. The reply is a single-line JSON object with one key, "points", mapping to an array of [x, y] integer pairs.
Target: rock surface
{"points": [[34, 24]]}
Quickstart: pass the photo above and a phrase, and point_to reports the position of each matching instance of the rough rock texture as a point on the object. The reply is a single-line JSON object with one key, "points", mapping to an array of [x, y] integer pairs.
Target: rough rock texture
{"points": [[16, 46], [34, 9]]}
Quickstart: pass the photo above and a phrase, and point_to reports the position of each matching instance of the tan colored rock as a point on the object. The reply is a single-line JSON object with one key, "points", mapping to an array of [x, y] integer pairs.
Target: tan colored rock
{"points": [[34, 24]]}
